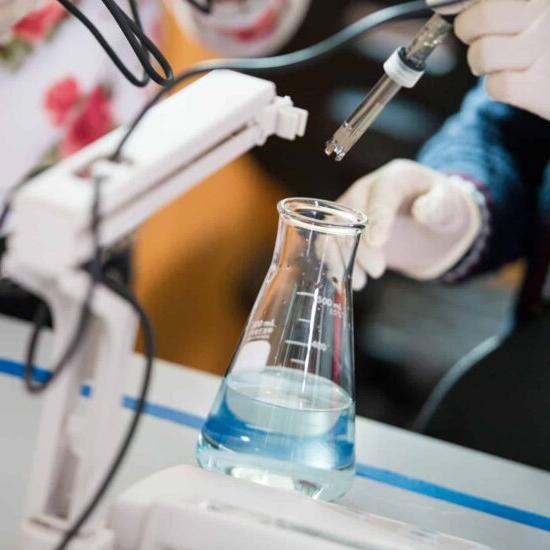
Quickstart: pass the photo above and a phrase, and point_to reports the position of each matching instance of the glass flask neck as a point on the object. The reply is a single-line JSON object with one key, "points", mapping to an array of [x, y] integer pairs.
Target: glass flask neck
{"points": [[322, 216], [317, 235]]}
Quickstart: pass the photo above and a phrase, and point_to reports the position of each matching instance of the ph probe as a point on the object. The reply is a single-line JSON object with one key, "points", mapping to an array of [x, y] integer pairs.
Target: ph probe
{"points": [[403, 69]]}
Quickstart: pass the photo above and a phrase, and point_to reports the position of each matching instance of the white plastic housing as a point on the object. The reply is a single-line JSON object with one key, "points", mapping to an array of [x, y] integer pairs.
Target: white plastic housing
{"points": [[180, 142], [192, 509]]}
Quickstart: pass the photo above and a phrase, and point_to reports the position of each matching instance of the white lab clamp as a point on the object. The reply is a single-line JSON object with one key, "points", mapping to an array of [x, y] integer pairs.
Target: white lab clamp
{"points": [[181, 141]]}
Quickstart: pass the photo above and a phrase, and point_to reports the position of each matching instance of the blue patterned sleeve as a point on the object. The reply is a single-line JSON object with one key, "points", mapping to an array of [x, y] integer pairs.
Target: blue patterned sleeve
{"points": [[504, 151]]}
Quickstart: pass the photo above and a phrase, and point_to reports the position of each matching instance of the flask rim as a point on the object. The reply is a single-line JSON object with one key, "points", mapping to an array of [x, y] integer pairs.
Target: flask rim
{"points": [[342, 217]]}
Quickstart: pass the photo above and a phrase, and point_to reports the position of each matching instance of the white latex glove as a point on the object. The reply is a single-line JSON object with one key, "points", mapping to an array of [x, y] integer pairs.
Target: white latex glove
{"points": [[11, 11], [509, 42], [452, 9], [420, 222]]}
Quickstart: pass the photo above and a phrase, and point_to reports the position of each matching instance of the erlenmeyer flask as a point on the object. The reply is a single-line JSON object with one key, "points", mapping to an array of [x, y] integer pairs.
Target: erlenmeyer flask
{"points": [[284, 414]]}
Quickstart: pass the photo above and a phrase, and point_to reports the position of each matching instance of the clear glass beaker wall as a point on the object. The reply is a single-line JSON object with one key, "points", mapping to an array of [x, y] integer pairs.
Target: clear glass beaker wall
{"points": [[284, 414]]}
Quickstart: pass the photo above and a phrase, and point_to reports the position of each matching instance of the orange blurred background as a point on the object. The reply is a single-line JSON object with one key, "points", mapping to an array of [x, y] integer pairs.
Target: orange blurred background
{"points": [[194, 258]]}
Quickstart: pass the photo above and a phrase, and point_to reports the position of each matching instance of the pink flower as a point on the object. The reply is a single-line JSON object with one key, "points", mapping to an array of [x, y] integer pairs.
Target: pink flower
{"points": [[61, 98], [36, 24], [93, 121]]}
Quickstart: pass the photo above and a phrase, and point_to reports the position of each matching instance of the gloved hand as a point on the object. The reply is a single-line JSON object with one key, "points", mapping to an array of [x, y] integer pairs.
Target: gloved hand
{"points": [[11, 11], [509, 42], [420, 222]]}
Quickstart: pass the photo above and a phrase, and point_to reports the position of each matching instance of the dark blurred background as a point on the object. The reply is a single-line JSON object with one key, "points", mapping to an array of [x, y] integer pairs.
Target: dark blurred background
{"points": [[408, 334]]}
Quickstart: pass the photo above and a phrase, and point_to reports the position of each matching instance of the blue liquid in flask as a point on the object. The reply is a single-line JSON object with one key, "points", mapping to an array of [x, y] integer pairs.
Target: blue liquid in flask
{"points": [[284, 428]]}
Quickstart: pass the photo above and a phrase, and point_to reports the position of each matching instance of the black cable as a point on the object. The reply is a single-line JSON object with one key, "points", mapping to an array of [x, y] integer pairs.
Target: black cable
{"points": [[142, 46], [140, 42], [149, 352], [297, 59], [85, 312]]}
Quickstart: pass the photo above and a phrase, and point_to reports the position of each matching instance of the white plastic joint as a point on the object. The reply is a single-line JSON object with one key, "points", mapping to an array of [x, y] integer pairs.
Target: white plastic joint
{"points": [[291, 122], [281, 118], [401, 73]]}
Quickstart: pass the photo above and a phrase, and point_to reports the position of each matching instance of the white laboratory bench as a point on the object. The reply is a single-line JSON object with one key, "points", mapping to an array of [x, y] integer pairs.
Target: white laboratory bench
{"points": [[400, 474]]}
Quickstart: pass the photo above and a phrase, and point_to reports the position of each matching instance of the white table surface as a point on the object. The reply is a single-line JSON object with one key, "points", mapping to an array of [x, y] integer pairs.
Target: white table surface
{"points": [[401, 475]]}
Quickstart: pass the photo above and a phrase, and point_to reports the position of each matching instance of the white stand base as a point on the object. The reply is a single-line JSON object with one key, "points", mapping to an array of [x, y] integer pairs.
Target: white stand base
{"points": [[34, 536]]}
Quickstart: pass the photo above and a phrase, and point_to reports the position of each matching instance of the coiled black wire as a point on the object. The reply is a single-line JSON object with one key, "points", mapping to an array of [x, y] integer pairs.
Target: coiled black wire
{"points": [[144, 48], [96, 277]]}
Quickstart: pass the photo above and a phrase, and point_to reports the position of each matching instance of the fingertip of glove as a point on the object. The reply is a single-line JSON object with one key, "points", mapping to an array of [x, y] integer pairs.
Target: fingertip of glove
{"points": [[437, 209], [359, 279], [377, 270]]}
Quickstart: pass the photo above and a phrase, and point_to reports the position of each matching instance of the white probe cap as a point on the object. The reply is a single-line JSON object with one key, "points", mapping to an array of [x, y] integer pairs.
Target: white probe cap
{"points": [[400, 72]]}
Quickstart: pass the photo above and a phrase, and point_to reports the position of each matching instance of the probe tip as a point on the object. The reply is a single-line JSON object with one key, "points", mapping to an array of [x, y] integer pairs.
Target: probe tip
{"points": [[332, 147]]}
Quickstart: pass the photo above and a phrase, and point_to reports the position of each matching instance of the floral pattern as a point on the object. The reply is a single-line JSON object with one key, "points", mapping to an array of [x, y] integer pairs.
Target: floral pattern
{"points": [[37, 26], [66, 101], [94, 120], [60, 98], [39, 23], [82, 117]]}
